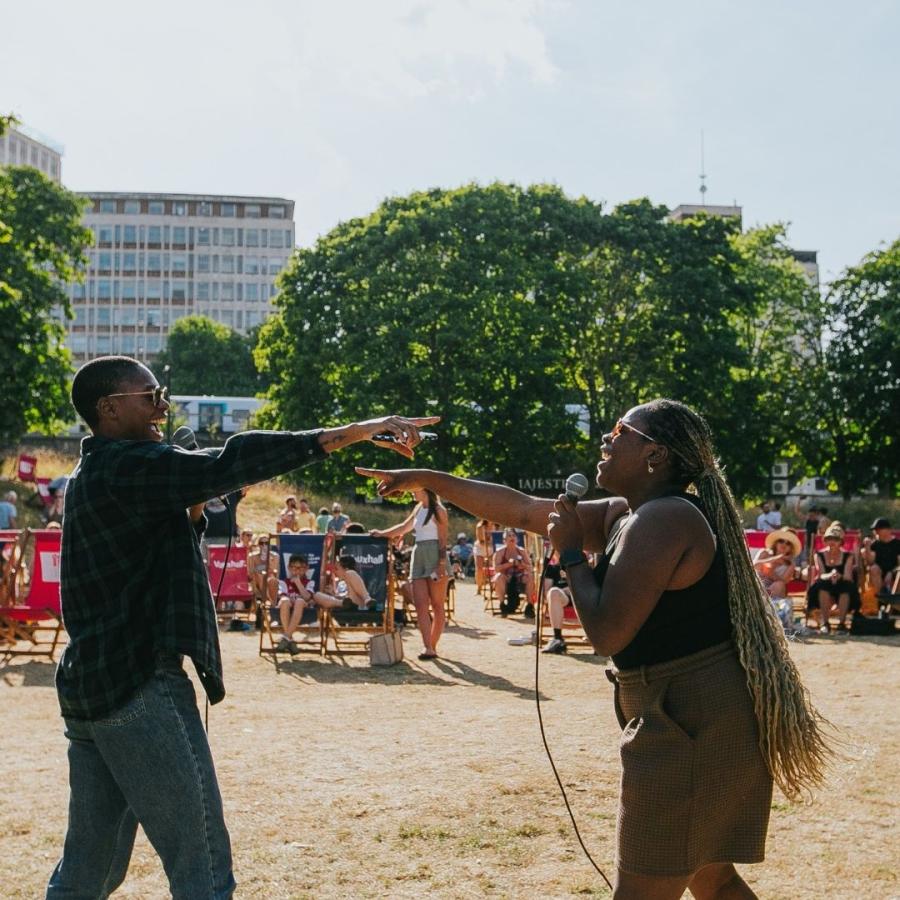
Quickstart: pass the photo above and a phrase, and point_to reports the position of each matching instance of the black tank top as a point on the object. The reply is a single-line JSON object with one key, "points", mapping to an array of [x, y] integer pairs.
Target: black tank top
{"points": [[682, 622]]}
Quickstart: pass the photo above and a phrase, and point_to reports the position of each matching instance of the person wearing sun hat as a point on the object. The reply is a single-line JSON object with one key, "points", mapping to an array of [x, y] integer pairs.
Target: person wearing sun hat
{"points": [[833, 585], [774, 563]]}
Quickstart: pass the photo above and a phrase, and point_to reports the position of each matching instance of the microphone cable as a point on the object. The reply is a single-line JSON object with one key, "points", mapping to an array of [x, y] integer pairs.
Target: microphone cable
{"points": [[537, 699]]}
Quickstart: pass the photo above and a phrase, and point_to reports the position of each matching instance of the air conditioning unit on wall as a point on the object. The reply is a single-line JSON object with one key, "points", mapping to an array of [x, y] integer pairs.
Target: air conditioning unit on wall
{"points": [[780, 469], [780, 487]]}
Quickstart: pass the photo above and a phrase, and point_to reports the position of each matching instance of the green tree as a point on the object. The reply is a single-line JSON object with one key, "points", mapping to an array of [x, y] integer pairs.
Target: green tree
{"points": [[42, 244], [207, 357], [859, 427]]}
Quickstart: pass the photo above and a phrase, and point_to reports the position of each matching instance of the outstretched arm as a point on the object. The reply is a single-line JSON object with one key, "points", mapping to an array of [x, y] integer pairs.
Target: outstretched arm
{"points": [[498, 503]]}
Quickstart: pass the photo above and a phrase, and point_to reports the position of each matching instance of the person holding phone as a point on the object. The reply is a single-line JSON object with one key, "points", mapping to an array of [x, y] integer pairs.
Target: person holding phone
{"points": [[428, 565]]}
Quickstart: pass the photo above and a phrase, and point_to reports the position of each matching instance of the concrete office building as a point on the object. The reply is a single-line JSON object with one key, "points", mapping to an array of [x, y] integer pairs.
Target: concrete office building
{"points": [[160, 257], [22, 146]]}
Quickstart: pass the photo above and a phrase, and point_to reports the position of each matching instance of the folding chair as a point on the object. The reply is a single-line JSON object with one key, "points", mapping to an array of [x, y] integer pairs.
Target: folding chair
{"points": [[496, 542], [316, 548], [39, 611], [12, 564], [26, 468], [232, 590], [344, 627]]}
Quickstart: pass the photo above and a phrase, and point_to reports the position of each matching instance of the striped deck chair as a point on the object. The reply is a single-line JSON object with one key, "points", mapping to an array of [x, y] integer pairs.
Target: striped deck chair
{"points": [[495, 538], [349, 630], [316, 548], [27, 623]]}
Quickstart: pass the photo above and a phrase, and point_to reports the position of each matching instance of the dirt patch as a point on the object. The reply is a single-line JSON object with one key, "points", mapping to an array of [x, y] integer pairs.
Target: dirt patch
{"points": [[429, 779]]}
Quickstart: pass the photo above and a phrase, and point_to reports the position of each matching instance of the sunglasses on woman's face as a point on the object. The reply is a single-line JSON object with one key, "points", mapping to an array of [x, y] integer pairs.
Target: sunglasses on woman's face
{"points": [[158, 395], [617, 430]]}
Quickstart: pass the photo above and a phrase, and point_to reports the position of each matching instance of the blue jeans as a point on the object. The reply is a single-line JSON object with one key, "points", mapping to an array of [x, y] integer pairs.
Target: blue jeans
{"points": [[148, 762]]}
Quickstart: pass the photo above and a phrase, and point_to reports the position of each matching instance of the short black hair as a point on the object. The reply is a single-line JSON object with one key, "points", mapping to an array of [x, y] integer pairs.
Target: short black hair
{"points": [[298, 558], [98, 378], [347, 561]]}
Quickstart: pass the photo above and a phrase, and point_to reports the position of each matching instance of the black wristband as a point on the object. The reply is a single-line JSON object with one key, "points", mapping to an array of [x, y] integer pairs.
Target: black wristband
{"points": [[571, 557]]}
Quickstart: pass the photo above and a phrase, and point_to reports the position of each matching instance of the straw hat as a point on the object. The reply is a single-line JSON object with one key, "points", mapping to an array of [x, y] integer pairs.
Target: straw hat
{"points": [[833, 532], [784, 534]]}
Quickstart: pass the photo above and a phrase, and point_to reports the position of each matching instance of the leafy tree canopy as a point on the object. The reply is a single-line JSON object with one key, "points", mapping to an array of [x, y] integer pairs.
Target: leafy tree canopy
{"points": [[42, 244], [207, 357]]}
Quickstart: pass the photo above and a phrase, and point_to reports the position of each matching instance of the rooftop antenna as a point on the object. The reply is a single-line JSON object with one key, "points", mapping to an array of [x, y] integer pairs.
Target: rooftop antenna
{"points": [[702, 172]]}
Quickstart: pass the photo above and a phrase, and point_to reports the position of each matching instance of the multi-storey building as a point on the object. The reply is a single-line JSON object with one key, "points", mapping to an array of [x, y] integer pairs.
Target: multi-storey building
{"points": [[159, 257], [21, 146]]}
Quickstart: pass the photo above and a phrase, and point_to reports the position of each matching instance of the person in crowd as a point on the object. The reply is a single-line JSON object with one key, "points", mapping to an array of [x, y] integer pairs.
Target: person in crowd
{"points": [[356, 528], [762, 520], [8, 512], [480, 550], [811, 529], [296, 600], [57, 489], [287, 518], [513, 563], [428, 565], [461, 556], [833, 586], [338, 522], [138, 752], [305, 518], [261, 564], [557, 596], [710, 702], [350, 591], [774, 515], [775, 561], [322, 520], [221, 516], [882, 555], [824, 521]]}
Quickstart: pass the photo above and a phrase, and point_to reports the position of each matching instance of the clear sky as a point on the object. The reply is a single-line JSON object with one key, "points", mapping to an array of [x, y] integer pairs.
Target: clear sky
{"points": [[337, 104]]}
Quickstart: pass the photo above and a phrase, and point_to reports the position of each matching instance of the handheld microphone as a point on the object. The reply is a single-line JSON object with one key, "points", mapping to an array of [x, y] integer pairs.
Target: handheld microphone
{"points": [[389, 438], [576, 486], [185, 438]]}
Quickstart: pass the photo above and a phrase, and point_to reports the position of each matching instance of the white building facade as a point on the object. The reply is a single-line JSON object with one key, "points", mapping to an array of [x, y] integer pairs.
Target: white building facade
{"points": [[160, 257], [21, 146]]}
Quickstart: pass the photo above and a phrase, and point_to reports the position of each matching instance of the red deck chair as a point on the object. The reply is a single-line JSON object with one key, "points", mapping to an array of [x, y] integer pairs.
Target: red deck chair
{"points": [[42, 485], [27, 467], [236, 596], [39, 612]]}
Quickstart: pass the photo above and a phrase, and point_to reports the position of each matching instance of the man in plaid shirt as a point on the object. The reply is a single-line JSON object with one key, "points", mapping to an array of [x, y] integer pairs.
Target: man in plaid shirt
{"points": [[135, 602]]}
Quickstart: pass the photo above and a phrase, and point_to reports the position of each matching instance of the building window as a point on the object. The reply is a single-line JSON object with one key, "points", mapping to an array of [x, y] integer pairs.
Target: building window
{"points": [[104, 262], [132, 207], [210, 415], [204, 209], [228, 290], [103, 315], [78, 291], [179, 262], [156, 208], [129, 262], [227, 237], [104, 289], [251, 237], [129, 289], [202, 262], [154, 235], [107, 206], [105, 234], [227, 264], [154, 262], [251, 265], [276, 212], [129, 234], [179, 235], [227, 317], [77, 343], [154, 290], [203, 290], [102, 344], [179, 209], [126, 341], [275, 238], [251, 211], [179, 290], [203, 237], [227, 210], [251, 292], [253, 319]]}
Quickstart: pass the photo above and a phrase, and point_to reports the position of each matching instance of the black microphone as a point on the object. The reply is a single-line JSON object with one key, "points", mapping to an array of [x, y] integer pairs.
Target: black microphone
{"points": [[576, 487], [389, 438], [185, 438]]}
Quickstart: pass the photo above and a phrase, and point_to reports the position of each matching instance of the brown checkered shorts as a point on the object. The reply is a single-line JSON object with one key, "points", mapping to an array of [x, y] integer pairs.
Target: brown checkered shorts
{"points": [[695, 787]]}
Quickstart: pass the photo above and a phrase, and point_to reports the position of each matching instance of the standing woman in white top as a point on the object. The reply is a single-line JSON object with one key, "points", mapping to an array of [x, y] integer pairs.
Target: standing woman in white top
{"points": [[428, 565]]}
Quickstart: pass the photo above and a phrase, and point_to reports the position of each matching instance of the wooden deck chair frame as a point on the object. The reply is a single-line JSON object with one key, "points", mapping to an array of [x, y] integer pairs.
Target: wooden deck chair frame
{"points": [[39, 612], [374, 556], [318, 549]]}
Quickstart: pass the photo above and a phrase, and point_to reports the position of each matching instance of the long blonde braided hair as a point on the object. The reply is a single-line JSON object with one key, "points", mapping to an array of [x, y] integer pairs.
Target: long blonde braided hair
{"points": [[790, 729]]}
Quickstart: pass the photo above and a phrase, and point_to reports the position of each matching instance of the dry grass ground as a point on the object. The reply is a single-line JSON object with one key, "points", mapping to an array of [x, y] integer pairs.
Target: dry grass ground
{"points": [[429, 779]]}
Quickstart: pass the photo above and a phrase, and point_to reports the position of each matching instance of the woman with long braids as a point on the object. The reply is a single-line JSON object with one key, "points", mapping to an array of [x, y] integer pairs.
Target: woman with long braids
{"points": [[711, 706], [428, 572]]}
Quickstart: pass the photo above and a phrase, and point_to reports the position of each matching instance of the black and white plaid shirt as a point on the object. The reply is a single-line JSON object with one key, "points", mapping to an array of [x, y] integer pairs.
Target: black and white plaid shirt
{"points": [[133, 582]]}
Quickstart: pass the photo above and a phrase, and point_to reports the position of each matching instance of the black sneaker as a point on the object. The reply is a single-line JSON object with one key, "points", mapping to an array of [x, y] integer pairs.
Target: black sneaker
{"points": [[529, 611], [555, 645]]}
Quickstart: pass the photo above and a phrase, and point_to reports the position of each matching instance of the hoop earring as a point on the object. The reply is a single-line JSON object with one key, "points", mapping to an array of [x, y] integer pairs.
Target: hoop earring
{"points": [[649, 468]]}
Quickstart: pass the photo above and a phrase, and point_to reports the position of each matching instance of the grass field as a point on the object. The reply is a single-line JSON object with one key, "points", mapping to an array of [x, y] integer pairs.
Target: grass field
{"points": [[429, 779]]}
